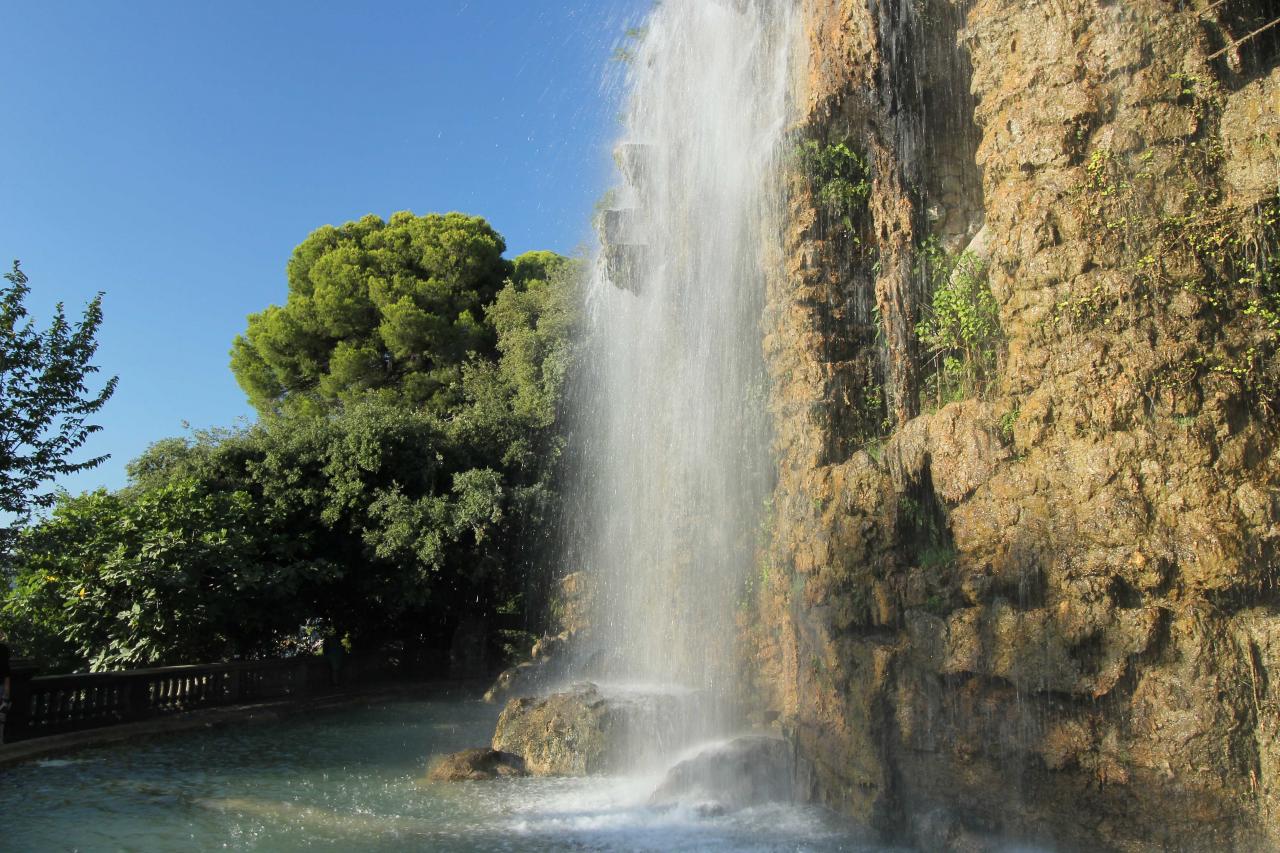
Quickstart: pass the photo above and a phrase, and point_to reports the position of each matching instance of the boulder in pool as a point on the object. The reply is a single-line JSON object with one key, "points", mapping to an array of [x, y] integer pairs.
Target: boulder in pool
{"points": [[746, 771], [477, 764], [582, 731]]}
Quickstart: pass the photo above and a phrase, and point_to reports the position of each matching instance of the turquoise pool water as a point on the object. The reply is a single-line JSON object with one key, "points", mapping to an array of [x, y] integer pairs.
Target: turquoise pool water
{"points": [[353, 780]]}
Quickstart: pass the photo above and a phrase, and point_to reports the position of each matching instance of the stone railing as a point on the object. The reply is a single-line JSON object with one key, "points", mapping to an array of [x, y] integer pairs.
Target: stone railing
{"points": [[55, 704]]}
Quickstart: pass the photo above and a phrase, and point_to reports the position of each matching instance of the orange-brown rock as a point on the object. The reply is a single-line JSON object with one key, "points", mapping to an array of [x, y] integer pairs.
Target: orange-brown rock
{"points": [[472, 765], [1051, 614]]}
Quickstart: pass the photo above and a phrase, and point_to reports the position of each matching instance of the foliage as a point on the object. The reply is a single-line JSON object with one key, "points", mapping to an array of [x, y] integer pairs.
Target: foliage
{"points": [[960, 329], [175, 573], [936, 604], [516, 397], [1236, 277], [512, 416], [234, 540], [376, 513], [923, 530], [391, 309], [866, 416], [1196, 242], [45, 402], [1008, 423], [841, 181]]}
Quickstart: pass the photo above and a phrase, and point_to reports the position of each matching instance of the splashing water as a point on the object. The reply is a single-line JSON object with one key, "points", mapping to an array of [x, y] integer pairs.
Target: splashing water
{"points": [[352, 779], [672, 412]]}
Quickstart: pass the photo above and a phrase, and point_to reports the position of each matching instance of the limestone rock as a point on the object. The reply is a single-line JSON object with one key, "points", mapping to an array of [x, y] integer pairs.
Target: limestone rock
{"points": [[1046, 616], [582, 731], [521, 679], [1251, 136], [746, 771], [475, 765], [575, 597], [548, 665]]}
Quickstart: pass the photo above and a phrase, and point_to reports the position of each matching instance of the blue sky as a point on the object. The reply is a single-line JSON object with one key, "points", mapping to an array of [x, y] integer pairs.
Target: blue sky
{"points": [[173, 153]]}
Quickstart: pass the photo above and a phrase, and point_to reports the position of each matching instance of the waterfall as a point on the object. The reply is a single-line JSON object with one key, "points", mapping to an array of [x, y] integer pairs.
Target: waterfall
{"points": [[672, 417]]}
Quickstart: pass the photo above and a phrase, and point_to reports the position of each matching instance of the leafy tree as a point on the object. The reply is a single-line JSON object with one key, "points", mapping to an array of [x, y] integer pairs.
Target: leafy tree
{"points": [[328, 487], [387, 308], [374, 510], [45, 402], [230, 542], [176, 573], [513, 418], [512, 402]]}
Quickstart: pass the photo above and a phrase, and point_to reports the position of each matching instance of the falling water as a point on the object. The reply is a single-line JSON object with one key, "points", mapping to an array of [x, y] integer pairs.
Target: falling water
{"points": [[674, 418]]}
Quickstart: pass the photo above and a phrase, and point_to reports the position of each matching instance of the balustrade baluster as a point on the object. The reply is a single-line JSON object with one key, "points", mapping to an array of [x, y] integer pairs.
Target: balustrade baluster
{"points": [[64, 703]]}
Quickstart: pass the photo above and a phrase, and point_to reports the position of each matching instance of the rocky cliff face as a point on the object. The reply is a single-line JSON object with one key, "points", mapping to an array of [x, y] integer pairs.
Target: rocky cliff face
{"points": [[1048, 611]]}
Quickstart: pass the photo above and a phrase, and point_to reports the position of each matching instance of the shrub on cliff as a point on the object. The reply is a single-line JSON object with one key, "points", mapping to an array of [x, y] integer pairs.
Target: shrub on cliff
{"points": [[960, 330], [841, 181]]}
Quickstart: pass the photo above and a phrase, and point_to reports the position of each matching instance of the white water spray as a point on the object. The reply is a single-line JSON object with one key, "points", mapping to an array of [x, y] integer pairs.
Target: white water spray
{"points": [[672, 416]]}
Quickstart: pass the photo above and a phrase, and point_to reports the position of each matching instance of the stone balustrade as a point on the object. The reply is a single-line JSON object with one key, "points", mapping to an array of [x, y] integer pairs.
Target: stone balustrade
{"points": [[57, 704]]}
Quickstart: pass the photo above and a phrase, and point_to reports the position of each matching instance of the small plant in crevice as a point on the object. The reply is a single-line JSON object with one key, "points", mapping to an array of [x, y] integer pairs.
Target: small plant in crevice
{"points": [[1238, 282], [841, 182], [868, 416], [924, 539], [922, 528], [936, 605], [960, 331], [1007, 422], [935, 555], [1205, 247], [759, 581]]}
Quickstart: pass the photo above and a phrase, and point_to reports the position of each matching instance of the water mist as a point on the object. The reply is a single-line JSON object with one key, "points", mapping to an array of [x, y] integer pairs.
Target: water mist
{"points": [[672, 415]]}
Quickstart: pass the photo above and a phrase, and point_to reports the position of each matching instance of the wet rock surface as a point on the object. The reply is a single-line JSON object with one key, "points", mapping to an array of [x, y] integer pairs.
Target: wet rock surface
{"points": [[1047, 615], [475, 765], [582, 731], [746, 771], [574, 600], [554, 656], [548, 666]]}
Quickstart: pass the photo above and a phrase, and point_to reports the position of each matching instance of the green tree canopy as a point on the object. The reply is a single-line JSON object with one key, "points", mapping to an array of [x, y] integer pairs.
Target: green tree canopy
{"points": [[372, 508], [45, 401], [513, 402], [224, 545], [173, 574], [390, 308]]}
